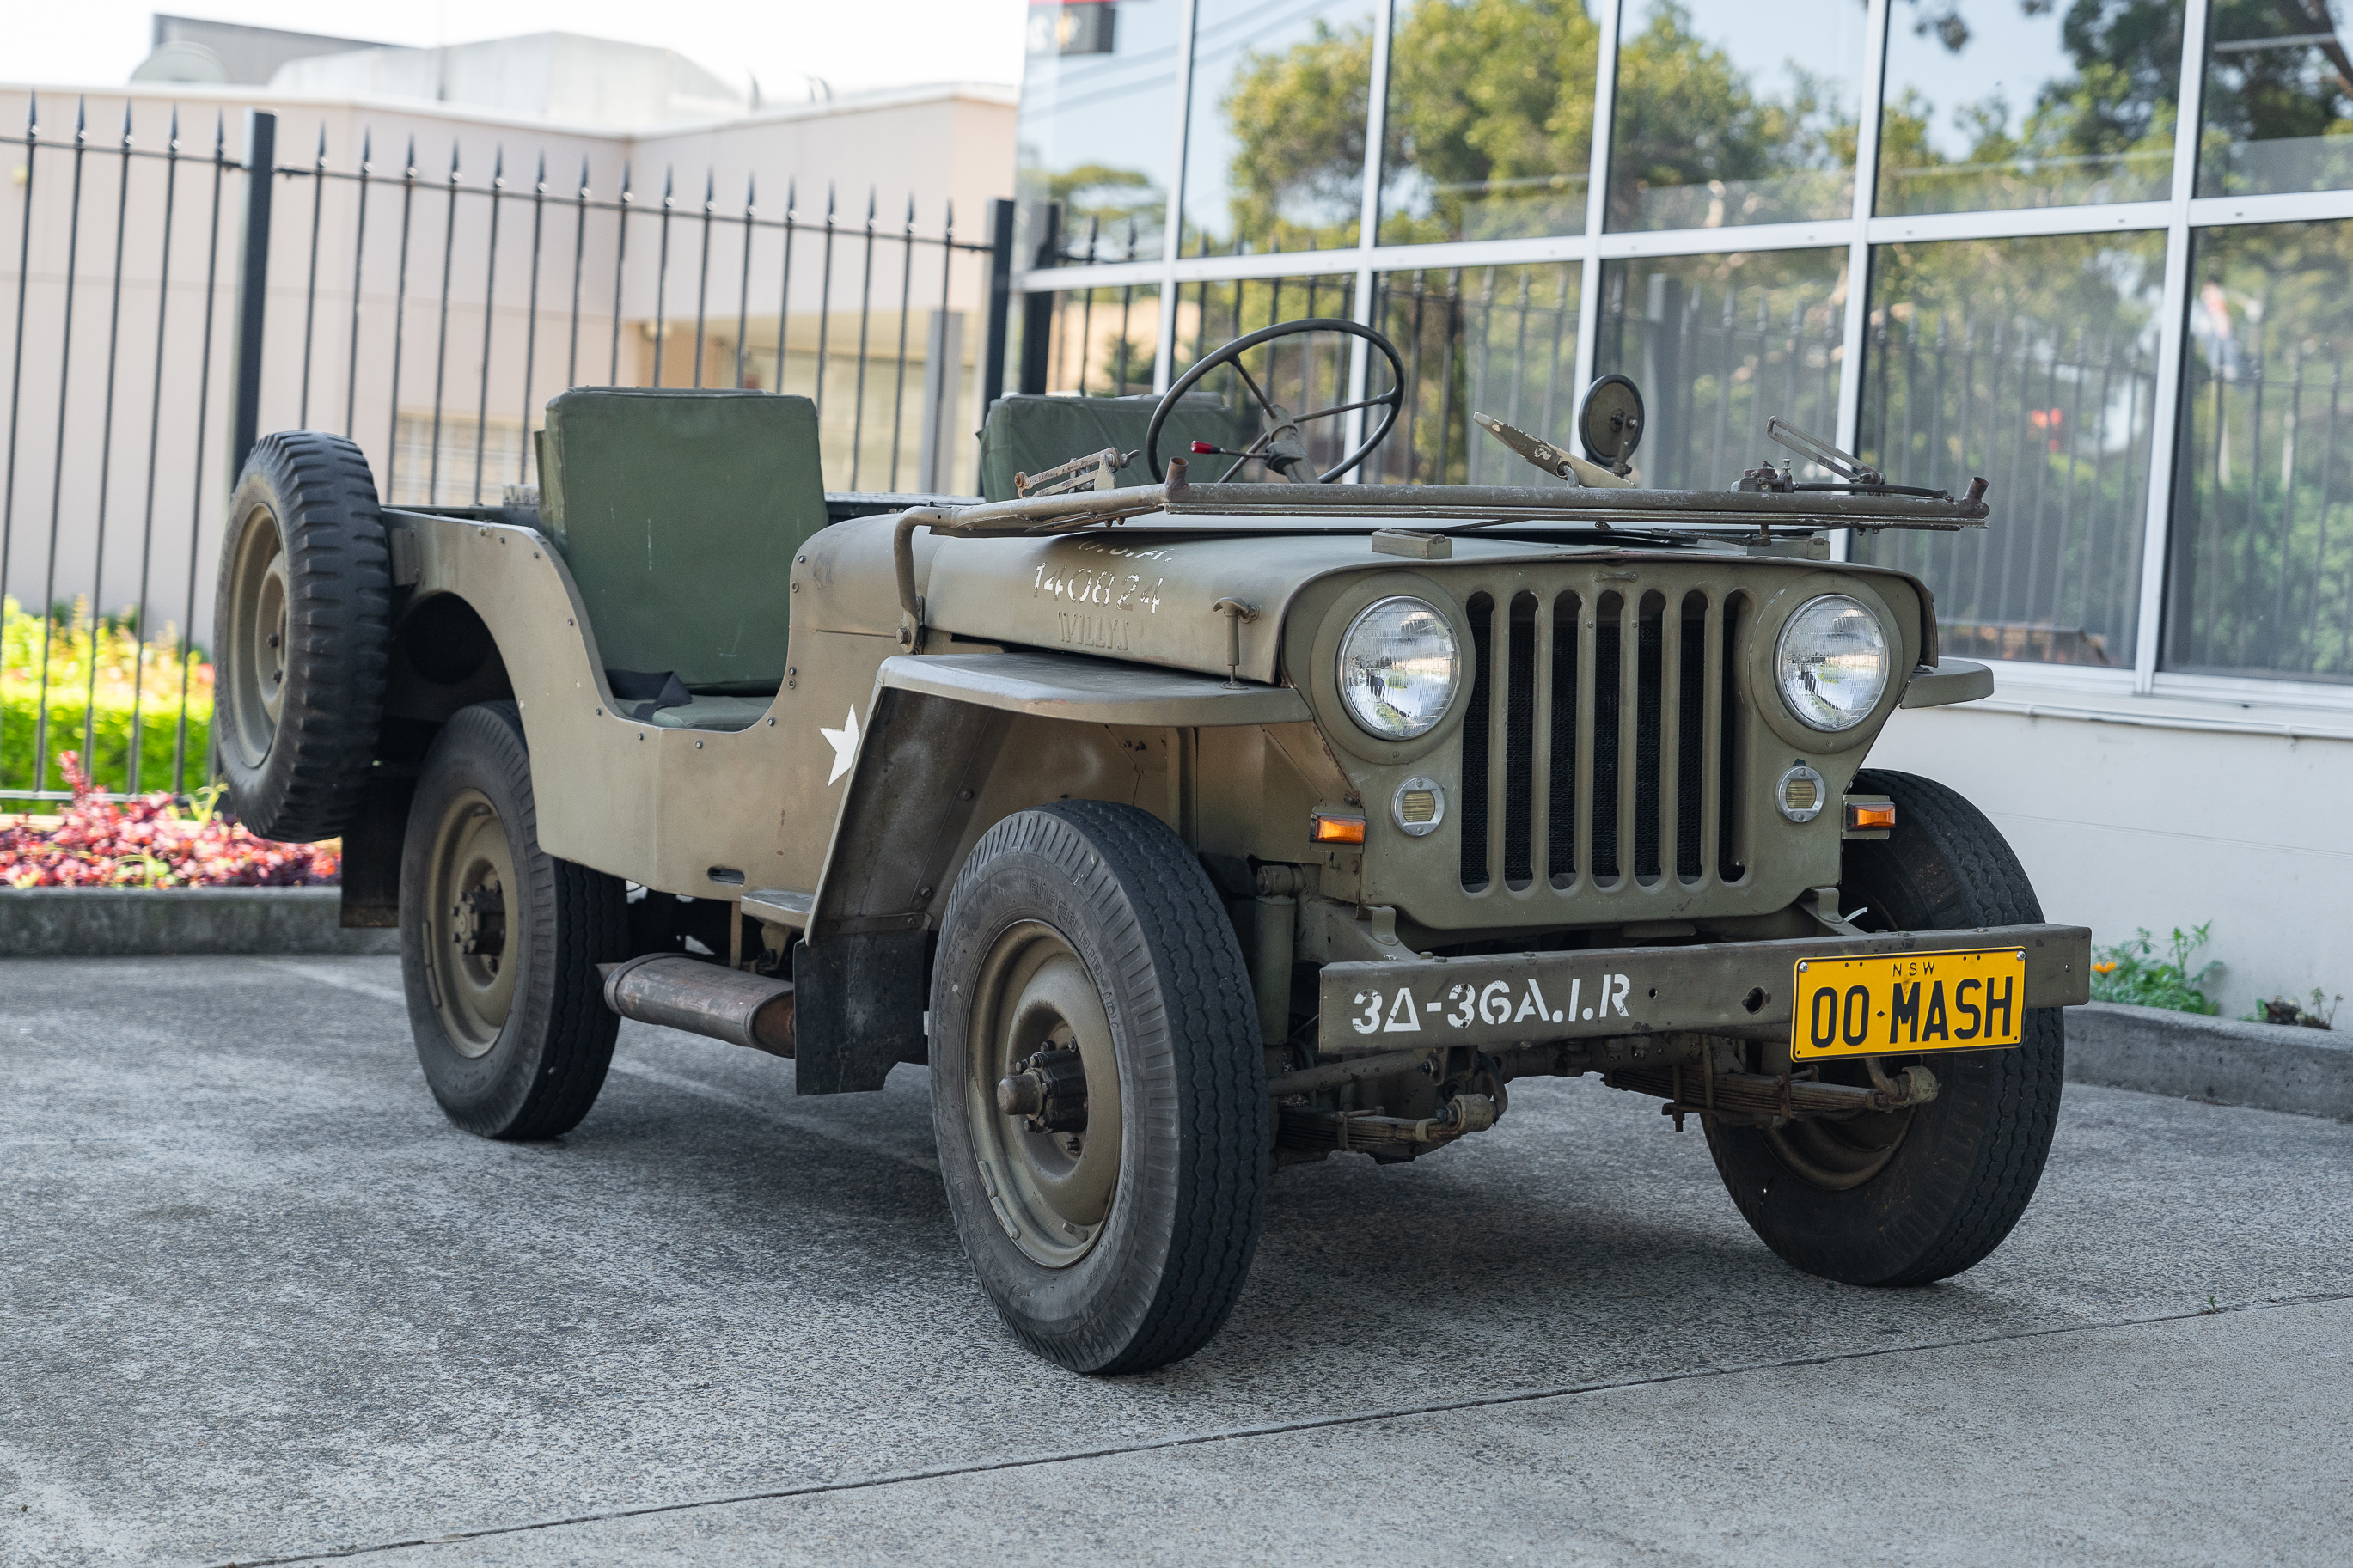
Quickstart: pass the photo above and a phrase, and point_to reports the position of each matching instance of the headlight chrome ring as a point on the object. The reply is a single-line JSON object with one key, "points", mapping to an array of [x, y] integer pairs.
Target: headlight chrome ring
{"points": [[1831, 662], [1399, 667]]}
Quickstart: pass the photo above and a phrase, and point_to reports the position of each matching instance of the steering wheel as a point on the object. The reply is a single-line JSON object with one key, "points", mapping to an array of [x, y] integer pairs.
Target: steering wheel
{"points": [[1279, 446]]}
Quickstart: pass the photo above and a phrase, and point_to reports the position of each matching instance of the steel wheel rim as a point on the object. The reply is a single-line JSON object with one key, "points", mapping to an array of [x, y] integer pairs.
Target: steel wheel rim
{"points": [[1839, 1156], [1051, 1192], [260, 623], [471, 952]]}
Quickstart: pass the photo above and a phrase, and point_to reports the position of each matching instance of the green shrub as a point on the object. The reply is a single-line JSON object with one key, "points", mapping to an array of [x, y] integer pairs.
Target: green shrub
{"points": [[124, 662], [2131, 972]]}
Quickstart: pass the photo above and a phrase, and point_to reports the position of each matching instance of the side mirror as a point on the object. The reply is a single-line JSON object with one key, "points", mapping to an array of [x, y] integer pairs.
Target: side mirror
{"points": [[1610, 423]]}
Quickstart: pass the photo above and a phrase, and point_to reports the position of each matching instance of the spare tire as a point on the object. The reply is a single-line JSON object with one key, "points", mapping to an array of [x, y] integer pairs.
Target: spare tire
{"points": [[303, 630]]}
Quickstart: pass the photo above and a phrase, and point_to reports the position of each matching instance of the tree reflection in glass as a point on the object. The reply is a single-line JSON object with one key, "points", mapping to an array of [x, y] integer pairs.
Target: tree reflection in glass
{"points": [[2279, 99], [1719, 344], [1275, 147], [1730, 113], [2024, 103], [1488, 130], [2031, 362], [2260, 580]]}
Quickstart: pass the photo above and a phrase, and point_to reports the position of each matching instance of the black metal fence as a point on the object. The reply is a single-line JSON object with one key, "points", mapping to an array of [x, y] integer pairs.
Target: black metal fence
{"points": [[2261, 579], [2060, 423], [167, 308]]}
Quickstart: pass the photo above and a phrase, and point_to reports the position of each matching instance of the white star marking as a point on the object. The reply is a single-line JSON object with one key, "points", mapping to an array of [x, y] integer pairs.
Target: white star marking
{"points": [[844, 743]]}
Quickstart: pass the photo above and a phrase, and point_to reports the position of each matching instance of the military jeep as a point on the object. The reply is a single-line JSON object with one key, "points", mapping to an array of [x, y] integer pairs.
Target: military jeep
{"points": [[1185, 812]]}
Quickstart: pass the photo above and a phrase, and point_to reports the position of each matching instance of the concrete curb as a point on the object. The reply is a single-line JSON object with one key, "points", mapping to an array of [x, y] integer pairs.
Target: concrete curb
{"points": [[118, 922], [2270, 1067]]}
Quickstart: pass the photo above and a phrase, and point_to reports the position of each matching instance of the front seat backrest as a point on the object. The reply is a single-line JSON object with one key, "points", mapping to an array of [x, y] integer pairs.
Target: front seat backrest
{"points": [[1026, 433], [679, 513]]}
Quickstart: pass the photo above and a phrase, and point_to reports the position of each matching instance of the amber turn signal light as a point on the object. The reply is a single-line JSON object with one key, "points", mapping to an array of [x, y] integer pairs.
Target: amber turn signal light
{"points": [[1336, 828], [1869, 816]]}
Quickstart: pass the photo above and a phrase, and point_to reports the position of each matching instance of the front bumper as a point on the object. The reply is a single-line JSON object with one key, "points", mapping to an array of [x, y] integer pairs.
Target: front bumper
{"points": [[1735, 988]]}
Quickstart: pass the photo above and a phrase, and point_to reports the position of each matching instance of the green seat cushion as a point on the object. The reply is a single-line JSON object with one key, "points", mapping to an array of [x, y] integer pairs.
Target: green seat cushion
{"points": [[1028, 434], [725, 714], [678, 514]]}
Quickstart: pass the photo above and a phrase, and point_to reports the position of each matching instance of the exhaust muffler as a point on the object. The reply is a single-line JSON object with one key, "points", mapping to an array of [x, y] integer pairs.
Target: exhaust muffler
{"points": [[704, 998]]}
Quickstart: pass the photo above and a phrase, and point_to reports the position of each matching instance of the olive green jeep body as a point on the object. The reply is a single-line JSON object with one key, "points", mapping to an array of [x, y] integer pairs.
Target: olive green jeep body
{"points": [[791, 721]]}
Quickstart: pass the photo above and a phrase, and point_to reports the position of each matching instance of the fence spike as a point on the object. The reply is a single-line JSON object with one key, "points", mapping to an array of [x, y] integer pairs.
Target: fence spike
{"points": [[220, 133], [539, 181], [792, 202], [499, 166], [321, 154], [368, 148], [669, 182], [751, 193], [453, 160], [409, 160], [32, 115], [951, 214], [829, 200], [126, 123], [708, 188], [625, 181], [911, 209], [81, 117], [870, 206], [174, 138], [583, 177]]}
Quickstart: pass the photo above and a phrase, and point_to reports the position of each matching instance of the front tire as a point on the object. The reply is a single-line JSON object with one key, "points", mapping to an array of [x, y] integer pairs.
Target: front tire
{"points": [[500, 942], [1915, 1196], [1111, 1228]]}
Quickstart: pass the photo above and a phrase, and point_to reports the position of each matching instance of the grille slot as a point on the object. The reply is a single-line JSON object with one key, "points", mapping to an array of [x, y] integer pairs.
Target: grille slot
{"points": [[1601, 748]]}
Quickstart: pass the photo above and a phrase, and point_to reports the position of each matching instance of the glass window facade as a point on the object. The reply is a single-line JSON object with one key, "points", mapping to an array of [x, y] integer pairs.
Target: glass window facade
{"points": [[1719, 344], [2033, 363], [1730, 113], [2033, 105], [1094, 137], [2278, 99], [2261, 582], [1499, 341], [2172, 504], [1103, 342], [1274, 146], [1489, 132]]}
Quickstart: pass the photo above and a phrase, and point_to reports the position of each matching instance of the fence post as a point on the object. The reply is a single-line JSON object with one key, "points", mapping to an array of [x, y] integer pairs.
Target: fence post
{"points": [[1000, 302], [1038, 309], [252, 287]]}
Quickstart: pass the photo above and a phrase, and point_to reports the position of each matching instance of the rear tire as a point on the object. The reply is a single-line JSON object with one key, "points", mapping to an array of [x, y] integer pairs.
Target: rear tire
{"points": [[1087, 929], [303, 631], [500, 942], [1914, 1197]]}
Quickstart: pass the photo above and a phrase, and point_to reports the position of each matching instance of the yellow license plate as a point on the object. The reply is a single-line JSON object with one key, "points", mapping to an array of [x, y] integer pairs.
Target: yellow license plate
{"points": [[1898, 1004]]}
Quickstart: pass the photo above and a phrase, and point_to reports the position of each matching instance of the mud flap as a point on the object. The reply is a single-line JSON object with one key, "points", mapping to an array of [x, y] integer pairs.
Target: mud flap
{"points": [[858, 1003]]}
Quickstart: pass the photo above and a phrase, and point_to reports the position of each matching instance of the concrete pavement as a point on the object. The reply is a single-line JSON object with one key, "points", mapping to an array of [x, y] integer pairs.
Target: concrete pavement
{"points": [[261, 1302]]}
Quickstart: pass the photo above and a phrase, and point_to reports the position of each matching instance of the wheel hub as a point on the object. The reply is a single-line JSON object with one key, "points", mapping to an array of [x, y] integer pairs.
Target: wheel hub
{"points": [[465, 935], [1043, 1096]]}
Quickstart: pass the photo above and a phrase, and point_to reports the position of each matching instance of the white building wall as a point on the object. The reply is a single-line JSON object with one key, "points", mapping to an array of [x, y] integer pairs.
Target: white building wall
{"points": [[940, 146], [2126, 821]]}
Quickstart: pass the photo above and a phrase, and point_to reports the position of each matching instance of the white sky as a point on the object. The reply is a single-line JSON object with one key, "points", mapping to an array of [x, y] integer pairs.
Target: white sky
{"points": [[851, 43]]}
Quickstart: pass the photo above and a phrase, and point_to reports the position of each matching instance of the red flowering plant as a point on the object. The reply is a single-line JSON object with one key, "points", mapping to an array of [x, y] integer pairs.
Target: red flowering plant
{"points": [[151, 843]]}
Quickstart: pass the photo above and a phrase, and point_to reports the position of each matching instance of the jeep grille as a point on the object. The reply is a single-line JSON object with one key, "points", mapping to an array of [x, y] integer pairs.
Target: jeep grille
{"points": [[1603, 736]]}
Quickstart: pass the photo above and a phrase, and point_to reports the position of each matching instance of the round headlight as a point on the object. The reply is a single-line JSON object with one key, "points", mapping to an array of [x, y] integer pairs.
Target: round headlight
{"points": [[1831, 662], [1399, 668]]}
